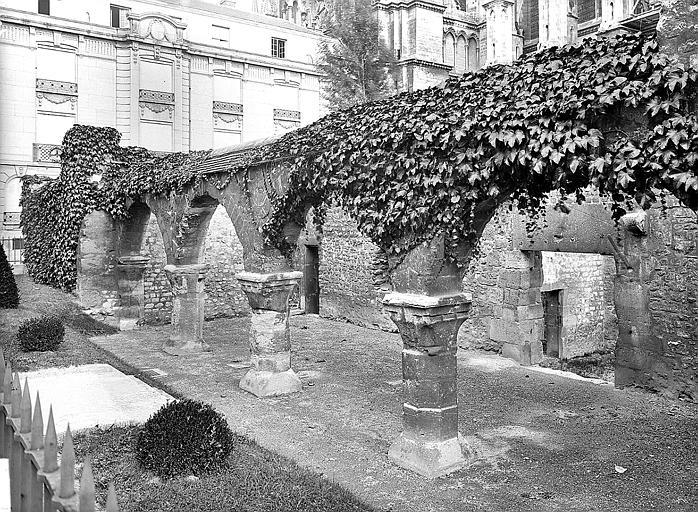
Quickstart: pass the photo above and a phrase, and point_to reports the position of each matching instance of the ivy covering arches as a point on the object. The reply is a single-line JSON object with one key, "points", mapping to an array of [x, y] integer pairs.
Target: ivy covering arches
{"points": [[426, 162]]}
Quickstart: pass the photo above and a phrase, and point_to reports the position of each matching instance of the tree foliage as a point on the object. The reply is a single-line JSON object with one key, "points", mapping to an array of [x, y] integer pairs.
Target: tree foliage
{"points": [[9, 295], [357, 63]]}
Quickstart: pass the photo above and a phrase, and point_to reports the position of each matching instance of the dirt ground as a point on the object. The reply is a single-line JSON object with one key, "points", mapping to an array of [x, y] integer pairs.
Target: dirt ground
{"points": [[542, 442]]}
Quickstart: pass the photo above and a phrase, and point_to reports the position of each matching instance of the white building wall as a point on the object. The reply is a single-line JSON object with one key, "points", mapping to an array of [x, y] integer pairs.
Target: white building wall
{"points": [[99, 73]]}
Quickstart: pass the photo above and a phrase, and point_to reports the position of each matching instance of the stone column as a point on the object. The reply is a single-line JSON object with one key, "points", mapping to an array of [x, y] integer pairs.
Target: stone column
{"points": [[130, 285], [270, 341], [520, 327], [188, 296], [428, 325]]}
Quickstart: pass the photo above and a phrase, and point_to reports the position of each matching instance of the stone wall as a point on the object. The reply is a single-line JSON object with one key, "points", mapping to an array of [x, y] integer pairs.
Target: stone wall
{"points": [[223, 255], [589, 322], [346, 282], [660, 295]]}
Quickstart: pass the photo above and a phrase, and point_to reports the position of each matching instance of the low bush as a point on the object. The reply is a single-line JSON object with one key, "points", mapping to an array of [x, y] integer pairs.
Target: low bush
{"points": [[184, 437], [42, 334]]}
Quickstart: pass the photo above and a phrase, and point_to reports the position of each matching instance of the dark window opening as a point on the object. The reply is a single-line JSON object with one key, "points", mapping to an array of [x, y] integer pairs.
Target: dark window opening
{"points": [[45, 7], [552, 325], [278, 47], [115, 16]]}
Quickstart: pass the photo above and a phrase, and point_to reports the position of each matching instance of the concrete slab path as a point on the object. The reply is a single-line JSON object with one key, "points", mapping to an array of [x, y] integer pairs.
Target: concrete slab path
{"points": [[91, 395], [544, 442]]}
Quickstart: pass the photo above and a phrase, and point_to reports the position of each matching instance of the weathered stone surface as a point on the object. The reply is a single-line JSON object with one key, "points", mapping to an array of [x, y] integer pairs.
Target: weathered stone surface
{"points": [[129, 271], [270, 342], [187, 309], [271, 383], [428, 326]]}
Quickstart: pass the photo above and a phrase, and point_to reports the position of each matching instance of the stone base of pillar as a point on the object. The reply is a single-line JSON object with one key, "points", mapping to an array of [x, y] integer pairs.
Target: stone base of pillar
{"points": [[263, 384], [431, 458], [176, 347]]}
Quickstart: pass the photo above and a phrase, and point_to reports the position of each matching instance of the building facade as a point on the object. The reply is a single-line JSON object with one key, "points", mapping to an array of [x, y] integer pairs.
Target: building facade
{"points": [[169, 75], [435, 39]]}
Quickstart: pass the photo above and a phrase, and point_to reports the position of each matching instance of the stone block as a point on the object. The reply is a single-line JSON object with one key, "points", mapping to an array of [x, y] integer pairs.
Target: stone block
{"points": [[426, 424], [430, 458], [431, 392], [417, 364], [521, 353], [265, 384]]}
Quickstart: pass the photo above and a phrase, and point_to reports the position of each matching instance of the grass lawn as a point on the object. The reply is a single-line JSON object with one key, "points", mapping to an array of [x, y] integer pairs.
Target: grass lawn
{"points": [[37, 300], [254, 480]]}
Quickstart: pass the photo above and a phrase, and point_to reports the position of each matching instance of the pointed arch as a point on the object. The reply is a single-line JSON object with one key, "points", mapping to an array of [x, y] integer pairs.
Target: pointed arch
{"points": [[449, 49], [461, 58]]}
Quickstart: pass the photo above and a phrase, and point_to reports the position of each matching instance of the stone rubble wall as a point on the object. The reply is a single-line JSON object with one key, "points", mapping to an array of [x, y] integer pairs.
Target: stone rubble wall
{"points": [[589, 321], [223, 254], [667, 359], [346, 283]]}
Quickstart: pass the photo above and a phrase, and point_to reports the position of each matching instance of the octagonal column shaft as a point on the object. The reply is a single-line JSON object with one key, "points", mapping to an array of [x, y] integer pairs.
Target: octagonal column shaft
{"points": [[188, 296], [270, 341], [130, 285], [428, 325]]}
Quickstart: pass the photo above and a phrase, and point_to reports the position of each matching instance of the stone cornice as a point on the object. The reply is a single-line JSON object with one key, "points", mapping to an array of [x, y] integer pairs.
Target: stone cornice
{"points": [[405, 4], [424, 63], [193, 48]]}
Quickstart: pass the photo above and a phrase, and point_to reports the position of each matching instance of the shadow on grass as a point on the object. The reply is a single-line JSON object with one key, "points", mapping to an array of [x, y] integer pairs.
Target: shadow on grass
{"points": [[253, 480]]}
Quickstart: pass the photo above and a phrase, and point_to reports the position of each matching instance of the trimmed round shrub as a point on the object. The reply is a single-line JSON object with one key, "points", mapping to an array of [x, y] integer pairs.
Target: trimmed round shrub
{"points": [[43, 333], [9, 296], [184, 437]]}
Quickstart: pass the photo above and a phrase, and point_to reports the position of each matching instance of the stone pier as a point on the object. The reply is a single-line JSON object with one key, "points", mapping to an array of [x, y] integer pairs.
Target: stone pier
{"points": [[188, 296], [429, 444], [270, 342], [130, 285]]}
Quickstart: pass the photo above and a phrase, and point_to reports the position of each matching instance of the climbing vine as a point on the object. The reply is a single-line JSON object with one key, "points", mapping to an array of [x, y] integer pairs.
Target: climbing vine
{"points": [[437, 160], [96, 174]]}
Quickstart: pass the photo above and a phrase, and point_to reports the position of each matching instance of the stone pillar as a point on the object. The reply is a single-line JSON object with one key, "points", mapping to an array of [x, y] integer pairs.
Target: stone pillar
{"points": [[129, 275], [520, 327], [188, 296], [429, 444], [270, 341]]}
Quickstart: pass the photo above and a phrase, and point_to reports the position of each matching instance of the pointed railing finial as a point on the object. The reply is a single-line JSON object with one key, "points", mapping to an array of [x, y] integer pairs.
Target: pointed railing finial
{"points": [[87, 488], [67, 487], [7, 385], [50, 445], [25, 410], [16, 400], [112, 505], [37, 439]]}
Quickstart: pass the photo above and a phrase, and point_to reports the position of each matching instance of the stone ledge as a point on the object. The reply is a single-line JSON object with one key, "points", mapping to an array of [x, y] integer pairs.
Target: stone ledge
{"points": [[256, 277], [413, 300], [192, 268]]}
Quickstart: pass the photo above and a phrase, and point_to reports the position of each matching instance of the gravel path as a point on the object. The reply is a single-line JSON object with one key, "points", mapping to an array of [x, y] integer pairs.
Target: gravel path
{"points": [[544, 442]]}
